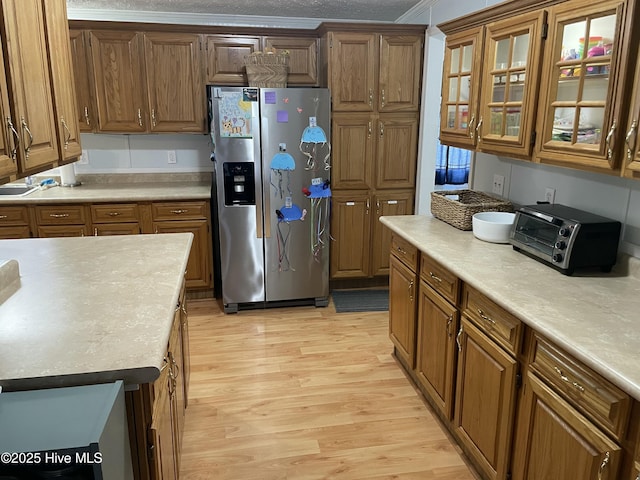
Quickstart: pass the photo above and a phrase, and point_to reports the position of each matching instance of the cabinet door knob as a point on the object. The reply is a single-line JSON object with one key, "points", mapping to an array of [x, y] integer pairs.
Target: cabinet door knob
{"points": [[609, 141], [16, 137], [631, 134], [603, 465], [478, 131], [459, 339], [25, 128], [67, 133]]}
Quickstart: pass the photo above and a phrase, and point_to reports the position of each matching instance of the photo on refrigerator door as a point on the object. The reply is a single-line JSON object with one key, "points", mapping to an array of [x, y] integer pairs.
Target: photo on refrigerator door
{"points": [[235, 115]]}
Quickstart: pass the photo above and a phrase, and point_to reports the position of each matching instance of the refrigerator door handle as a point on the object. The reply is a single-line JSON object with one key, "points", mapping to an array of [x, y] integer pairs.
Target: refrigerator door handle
{"points": [[267, 215]]}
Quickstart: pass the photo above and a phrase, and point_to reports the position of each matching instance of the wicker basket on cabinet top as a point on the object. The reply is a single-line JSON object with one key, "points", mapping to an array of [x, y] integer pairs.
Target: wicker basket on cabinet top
{"points": [[457, 207]]}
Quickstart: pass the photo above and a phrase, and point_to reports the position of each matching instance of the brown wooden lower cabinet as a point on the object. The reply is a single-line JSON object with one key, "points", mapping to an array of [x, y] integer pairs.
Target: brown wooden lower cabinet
{"points": [[557, 420], [485, 400], [436, 351], [126, 218], [402, 310], [156, 411], [555, 441]]}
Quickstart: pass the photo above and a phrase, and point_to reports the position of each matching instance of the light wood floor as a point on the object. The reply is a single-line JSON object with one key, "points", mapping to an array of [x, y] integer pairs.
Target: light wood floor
{"points": [[304, 393]]}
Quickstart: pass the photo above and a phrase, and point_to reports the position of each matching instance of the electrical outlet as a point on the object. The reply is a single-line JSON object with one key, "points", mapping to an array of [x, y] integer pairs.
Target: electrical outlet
{"points": [[171, 156], [549, 195], [498, 184], [84, 158]]}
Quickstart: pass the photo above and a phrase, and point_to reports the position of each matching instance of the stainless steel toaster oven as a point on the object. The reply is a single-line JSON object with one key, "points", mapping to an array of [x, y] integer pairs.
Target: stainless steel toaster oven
{"points": [[566, 238]]}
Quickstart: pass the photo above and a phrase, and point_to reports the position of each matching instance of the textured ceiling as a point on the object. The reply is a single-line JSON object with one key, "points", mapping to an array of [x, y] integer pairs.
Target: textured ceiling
{"points": [[363, 10]]}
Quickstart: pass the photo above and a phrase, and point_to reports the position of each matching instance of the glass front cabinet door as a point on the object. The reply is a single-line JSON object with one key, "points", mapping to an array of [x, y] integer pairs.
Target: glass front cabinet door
{"points": [[631, 155], [583, 84], [510, 85], [461, 88]]}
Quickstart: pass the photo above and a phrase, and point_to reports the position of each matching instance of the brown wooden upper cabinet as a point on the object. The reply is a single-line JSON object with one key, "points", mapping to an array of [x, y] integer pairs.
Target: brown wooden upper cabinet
{"points": [[8, 159], [490, 83], [143, 82], [117, 63], [459, 110], [225, 58], [83, 76], [33, 142], [585, 85], [62, 81], [371, 72], [226, 53], [631, 157]]}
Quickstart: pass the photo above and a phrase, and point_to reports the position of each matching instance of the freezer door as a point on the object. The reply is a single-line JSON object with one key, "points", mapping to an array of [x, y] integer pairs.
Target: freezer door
{"points": [[297, 264], [235, 134]]}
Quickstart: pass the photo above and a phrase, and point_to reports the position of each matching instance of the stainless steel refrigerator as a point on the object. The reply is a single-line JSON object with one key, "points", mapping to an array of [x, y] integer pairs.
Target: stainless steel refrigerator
{"points": [[271, 195]]}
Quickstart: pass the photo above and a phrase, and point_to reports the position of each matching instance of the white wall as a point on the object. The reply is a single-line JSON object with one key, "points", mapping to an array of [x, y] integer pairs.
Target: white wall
{"points": [[145, 153]]}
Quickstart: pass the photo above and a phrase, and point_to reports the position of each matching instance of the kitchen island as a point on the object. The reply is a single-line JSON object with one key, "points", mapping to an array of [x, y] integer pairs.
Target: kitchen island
{"points": [[98, 309], [531, 371], [89, 310]]}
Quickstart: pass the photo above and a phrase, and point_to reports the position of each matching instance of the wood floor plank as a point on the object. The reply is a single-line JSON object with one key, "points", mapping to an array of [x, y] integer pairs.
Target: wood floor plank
{"points": [[305, 393]]}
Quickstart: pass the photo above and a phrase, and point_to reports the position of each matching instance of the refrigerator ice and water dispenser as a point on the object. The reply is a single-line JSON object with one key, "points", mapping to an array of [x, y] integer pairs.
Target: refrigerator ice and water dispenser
{"points": [[239, 183]]}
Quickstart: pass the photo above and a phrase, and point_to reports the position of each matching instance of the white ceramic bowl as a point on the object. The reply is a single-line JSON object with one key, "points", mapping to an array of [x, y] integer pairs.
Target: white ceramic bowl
{"points": [[492, 226]]}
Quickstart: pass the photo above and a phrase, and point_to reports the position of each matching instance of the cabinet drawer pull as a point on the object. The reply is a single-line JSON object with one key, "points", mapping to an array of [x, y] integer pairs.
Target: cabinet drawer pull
{"points": [[381, 129], [25, 128], [449, 322], [369, 130], [608, 140], [603, 465], [86, 116], [471, 130], [153, 117], [180, 211], [165, 363], [16, 136], [3, 217], [383, 99], [458, 339], [401, 250], [485, 318], [95, 231], [631, 134], [478, 131], [113, 214], [371, 96], [566, 379], [411, 291], [58, 215], [435, 277], [140, 117], [67, 135]]}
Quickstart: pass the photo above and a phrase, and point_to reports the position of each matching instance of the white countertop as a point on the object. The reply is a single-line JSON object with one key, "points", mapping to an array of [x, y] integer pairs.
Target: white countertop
{"points": [[90, 309], [114, 192], [594, 316]]}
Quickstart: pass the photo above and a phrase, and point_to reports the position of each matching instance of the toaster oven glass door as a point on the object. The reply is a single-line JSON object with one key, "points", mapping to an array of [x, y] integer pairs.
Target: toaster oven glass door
{"points": [[536, 233]]}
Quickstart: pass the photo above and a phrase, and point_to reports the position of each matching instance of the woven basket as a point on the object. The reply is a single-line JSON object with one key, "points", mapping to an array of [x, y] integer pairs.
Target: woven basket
{"points": [[457, 207], [267, 69]]}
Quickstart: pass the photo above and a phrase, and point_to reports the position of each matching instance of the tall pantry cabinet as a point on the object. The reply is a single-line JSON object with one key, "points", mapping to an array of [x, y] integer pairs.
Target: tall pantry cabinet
{"points": [[374, 73]]}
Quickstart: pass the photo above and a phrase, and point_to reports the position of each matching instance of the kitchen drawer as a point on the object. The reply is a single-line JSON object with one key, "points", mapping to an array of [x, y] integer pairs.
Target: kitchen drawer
{"points": [[440, 279], [603, 402], [103, 229], [115, 213], [60, 214], [406, 253], [179, 211], [14, 216], [57, 231], [495, 321], [15, 231]]}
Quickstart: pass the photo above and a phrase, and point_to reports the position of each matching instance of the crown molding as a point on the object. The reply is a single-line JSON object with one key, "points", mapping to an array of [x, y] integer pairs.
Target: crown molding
{"points": [[182, 18], [420, 12]]}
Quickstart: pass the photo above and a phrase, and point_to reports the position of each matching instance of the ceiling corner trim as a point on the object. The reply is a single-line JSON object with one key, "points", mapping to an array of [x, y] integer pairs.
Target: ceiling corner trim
{"points": [[419, 13], [181, 18]]}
